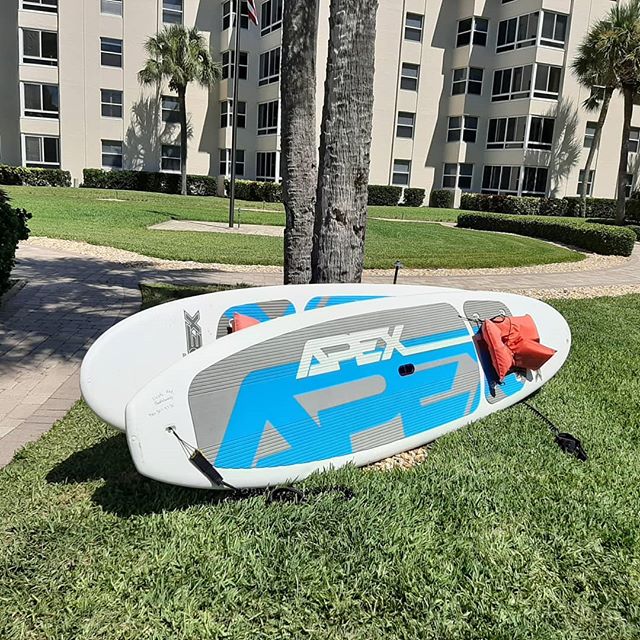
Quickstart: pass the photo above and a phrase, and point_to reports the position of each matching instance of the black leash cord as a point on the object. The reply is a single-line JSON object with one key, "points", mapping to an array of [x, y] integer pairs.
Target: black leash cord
{"points": [[272, 495], [567, 443]]}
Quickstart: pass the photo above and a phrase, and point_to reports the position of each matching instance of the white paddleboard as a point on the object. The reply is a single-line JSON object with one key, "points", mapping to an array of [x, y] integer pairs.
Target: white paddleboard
{"points": [[350, 384], [134, 351]]}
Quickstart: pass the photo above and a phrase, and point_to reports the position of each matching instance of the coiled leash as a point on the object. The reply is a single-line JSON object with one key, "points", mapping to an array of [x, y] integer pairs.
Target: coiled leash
{"points": [[567, 442], [272, 495]]}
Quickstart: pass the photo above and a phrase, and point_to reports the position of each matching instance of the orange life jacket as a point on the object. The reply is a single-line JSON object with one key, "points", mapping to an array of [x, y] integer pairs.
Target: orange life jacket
{"points": [[514, 343]]}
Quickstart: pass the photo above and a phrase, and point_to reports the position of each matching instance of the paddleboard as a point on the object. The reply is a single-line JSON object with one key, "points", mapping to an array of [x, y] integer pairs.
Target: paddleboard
{"points": [[134, 351], [347, 384]]}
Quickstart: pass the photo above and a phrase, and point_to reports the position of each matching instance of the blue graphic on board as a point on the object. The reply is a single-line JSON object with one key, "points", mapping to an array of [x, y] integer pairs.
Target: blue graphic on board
{"points": [[509, 386], [255, 311], [323, 302], [308, 421]]}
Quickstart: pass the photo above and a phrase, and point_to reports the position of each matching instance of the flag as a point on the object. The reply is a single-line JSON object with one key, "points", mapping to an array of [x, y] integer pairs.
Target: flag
{"points": [[252, 12]]}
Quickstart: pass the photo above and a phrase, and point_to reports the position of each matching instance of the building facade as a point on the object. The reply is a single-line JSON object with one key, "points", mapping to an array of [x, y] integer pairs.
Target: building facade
{"points": [[472, 95]]}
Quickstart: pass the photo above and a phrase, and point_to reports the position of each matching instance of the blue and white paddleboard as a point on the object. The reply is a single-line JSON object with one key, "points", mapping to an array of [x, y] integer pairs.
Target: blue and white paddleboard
{"points": [[133, 352], [347, 384]]}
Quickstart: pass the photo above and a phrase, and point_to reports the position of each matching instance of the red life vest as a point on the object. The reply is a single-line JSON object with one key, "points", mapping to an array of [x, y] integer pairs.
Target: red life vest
{"points": [[514, 343]]}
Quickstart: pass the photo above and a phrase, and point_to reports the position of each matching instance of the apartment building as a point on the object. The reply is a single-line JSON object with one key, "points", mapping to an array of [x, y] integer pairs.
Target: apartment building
{"points": [[471, 95]]}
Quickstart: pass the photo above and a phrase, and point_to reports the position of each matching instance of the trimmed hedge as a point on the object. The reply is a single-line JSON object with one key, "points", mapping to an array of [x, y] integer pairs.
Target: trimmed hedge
{"points": [[254, 191], [13, 228], [596, 207], [598, 238], [27, 177], [147, 181], [384, 195], [609, 222], [441, 199], [554, 207], [632, 211], [413, 197]]}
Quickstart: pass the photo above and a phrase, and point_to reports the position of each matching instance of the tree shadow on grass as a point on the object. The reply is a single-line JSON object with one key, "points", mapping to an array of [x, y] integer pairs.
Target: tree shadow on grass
{"points": [[125, 492]]}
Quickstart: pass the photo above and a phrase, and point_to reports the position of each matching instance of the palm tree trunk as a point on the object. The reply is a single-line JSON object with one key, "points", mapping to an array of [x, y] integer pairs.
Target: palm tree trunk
{"points": [[345, 144], [299, 153], [595, 144], [184, 140], [624, 154]]}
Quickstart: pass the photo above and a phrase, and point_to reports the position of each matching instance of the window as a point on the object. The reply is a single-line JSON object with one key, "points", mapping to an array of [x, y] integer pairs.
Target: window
{"points": [[457, 176], [628, 186], [592, 175], [266, 166], [541, 133], [50, 6], [634, 136], [472, 30], [269, 67], [501, 180], [547, 82], [409, 76], [406, 124], [170, 109], [111, 7], [413, 27], [590, 133], [111, 103], [172, 11], [517, 33], [401, 172], [467, 80], [112, 154], [554, 30], [40, 47], [271, 16], [226, 114], [110, 52], [41, 152], [462, 128], [170, 160], [228, 64], [227, 15], [511, 84], [41, 100], [535, 181], [268, 118], [506, 133], [225, 163]]}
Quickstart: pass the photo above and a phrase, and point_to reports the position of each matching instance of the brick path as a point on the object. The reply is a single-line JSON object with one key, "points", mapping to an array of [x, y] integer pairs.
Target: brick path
{"points": [[70, 299]]}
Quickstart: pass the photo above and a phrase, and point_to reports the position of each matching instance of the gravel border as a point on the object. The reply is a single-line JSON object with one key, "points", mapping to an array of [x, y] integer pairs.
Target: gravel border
{"points": [[592, 262]]}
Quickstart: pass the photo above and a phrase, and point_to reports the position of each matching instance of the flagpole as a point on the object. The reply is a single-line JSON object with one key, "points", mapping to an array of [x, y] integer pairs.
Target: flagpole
{"points": [[234, 130]]}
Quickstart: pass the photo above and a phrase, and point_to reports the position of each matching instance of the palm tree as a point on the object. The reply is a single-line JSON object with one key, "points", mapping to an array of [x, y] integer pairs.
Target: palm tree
{"points": [[299, 153], [617, 47], [601, 81], [345, 143], [179, 55]]}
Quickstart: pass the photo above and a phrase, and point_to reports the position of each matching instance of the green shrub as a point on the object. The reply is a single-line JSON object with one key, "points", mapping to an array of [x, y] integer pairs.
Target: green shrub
{"points": [[148, 181], [384, 195], [441, 199], [596, 207], [28, 177], [413, 197], [598, 238], [254, 191], [608, 221], [483, 202], [632, 211], [521, 206], [553, 207], [13, 228]]}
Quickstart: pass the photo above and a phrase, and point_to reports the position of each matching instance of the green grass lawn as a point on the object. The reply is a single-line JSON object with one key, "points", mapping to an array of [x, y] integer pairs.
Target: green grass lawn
{"points": [[99, 217], [497, 535]]}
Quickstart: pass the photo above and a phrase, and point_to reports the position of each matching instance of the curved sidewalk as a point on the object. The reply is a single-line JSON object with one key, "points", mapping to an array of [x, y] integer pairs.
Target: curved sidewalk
{"points": [[70, 299]]}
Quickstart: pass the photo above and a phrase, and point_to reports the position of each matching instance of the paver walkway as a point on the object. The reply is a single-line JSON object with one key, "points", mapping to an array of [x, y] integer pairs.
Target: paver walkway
{"points": [[70, 299]]}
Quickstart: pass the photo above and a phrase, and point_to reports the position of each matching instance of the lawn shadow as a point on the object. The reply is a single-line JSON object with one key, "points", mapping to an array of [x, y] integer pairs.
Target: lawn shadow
{"points": [[125, 492]]}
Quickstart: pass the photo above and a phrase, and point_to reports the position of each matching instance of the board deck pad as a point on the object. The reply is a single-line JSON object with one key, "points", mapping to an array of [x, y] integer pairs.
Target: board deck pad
{"points": [[297, 406]]}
